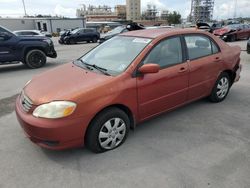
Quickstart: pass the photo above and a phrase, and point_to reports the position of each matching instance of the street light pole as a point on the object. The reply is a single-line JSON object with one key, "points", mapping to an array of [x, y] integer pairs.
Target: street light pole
{"points": [[25, 13]]}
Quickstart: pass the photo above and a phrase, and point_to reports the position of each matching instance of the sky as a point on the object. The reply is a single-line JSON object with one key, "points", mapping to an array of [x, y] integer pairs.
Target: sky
{"points": [[14, 8]]}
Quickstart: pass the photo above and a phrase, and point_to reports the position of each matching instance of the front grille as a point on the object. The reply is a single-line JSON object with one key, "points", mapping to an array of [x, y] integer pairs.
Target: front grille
{"points": [[26, 102]]}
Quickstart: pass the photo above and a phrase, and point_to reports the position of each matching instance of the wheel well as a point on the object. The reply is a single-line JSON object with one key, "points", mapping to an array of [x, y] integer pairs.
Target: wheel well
{"points": [[121, 107], [32, 48], [231, 75], [124, 109]]}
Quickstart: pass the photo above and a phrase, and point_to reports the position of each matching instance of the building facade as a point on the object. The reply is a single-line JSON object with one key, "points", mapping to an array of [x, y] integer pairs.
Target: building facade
{"points": [[133, 9], [120, 11], [201, 11], [52, 25], [96, 13]]}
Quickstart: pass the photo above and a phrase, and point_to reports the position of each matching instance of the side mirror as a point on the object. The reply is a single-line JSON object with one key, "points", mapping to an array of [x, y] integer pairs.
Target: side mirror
{"points": [[4, 36], [149, 68]]}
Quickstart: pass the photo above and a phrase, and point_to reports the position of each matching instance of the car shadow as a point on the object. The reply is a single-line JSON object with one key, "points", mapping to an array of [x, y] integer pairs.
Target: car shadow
{"points": [[21, 67]]}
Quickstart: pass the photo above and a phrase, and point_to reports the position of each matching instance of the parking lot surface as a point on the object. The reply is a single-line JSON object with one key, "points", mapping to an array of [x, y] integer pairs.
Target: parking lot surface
{"points": [[198, 145]]}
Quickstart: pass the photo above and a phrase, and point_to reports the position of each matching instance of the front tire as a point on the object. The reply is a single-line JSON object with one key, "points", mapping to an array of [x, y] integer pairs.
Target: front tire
{"points": [[221, 88], [232, 38], [107, 131], [35, 59], [72, 41]]}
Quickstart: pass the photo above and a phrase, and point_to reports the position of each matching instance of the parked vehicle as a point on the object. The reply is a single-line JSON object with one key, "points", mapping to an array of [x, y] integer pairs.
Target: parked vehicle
{"points": [[120, 29], [32, 33], [233, 32], [209, 27], [79, 35], [128, 79], [30, 50], [248, 46], [112, 33]]}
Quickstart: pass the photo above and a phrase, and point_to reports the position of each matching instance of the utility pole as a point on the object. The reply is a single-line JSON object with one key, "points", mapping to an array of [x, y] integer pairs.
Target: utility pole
{"points": [[235, 8], [25, 13]]}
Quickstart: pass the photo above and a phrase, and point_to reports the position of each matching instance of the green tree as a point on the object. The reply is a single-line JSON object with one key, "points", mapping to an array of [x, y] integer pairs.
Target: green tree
{"points": [[174, 18]]}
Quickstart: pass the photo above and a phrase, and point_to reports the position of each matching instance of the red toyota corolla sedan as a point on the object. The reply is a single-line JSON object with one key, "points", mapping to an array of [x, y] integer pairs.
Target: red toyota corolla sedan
{"points": [[95, 100]]}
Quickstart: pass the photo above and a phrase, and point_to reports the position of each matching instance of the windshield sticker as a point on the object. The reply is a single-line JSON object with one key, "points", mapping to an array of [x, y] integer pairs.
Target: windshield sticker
{"points": [[142, 40]]}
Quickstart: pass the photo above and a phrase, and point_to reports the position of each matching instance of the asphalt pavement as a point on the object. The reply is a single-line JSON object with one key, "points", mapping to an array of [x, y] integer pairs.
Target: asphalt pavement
{"points": [[200, 145]]}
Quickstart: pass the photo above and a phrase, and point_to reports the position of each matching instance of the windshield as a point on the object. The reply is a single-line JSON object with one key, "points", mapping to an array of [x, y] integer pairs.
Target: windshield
{"points": [[75, 31], [116, 54], [4, 30], [117, 30], [234, 26]]}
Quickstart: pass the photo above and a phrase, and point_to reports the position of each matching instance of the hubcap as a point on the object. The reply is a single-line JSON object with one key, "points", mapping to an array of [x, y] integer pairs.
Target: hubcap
{"points": [[112, 133], [222, 87]]}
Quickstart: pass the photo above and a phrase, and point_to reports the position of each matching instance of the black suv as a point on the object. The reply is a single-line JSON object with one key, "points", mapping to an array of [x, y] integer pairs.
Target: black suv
{"points": [[79, 35], [31, 51]]}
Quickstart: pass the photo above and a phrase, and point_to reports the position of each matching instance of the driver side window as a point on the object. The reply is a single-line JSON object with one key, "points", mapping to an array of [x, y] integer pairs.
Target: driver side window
{"points": [[167, 53]]}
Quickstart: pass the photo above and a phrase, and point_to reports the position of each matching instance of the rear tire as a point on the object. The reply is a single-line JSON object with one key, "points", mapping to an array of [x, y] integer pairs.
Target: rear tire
{"points": [[107, 131], [94, 40], [221, 88], [35, 59]]}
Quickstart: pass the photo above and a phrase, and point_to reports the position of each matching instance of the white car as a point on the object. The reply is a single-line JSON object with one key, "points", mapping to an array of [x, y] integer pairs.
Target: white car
{"points": [[32, 33]]}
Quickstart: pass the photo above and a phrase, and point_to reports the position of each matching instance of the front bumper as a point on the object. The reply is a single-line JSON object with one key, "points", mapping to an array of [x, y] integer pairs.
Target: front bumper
{"points": [[248, 47], [101, 40], [52, 134], [237, 72], [52, 52], [222, 37]]}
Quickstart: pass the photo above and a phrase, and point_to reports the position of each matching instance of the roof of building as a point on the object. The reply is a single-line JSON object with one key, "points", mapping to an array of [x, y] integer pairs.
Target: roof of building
{"points": [[37, 18]]}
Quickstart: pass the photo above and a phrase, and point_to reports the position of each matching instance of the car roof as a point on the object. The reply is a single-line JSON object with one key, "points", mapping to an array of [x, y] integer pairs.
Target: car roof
{"points": [[155, 33], [27, 31]]}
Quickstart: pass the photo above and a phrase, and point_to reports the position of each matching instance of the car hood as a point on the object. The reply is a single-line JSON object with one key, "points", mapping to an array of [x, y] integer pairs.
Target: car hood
{"points": [[32, 38], [67, 82]]}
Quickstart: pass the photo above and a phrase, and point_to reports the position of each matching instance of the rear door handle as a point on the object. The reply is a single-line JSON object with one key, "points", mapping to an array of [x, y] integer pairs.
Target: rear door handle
{"points": [[217, 59], [182, 69]]}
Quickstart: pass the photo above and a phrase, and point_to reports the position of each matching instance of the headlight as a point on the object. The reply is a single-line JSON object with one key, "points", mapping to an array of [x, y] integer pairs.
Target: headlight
{"points": [[48, 41], [55, 109]]}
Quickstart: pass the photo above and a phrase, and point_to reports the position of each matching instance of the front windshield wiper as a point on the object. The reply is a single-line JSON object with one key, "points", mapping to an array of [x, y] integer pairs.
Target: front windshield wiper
{"points": [[102, 70]]}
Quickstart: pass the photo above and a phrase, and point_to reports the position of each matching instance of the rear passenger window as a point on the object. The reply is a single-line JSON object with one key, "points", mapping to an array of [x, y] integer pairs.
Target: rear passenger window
{"points": [[167, 53], [198, 46], [215, 48]]}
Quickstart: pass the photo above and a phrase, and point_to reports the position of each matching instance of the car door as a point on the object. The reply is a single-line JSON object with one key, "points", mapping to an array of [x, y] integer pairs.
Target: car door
{"points": [[241, 32], [7, 46], [166, 89], [204, 64], [246, 31], [80, 36]]}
